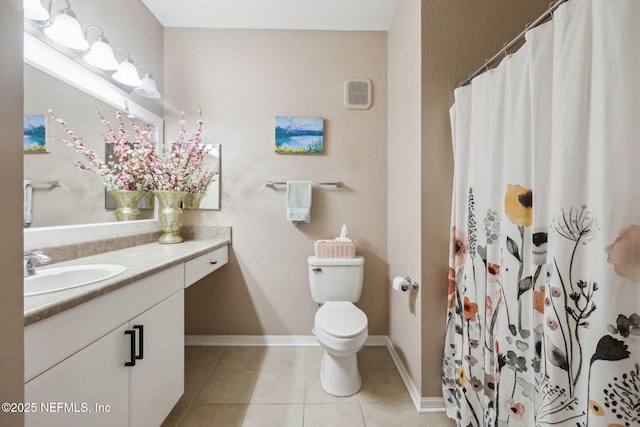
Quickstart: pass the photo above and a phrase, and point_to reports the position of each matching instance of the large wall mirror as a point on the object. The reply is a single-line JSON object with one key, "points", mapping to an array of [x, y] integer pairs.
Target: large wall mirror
{"points": [[74, 93], [79, 198]]}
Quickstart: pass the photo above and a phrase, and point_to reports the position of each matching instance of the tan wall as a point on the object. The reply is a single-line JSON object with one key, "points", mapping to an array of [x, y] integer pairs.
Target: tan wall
{"points": [[404, 147], [457, 37], [11, 299], [242, 79]]}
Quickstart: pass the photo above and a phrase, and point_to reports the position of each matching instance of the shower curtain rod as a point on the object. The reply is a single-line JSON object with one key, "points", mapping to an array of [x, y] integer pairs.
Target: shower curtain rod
{"points": [[513, 42]]}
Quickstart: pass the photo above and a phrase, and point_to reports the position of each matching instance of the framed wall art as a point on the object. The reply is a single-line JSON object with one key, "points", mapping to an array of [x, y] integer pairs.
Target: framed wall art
{"points": [[35, 138], [299, 135]]}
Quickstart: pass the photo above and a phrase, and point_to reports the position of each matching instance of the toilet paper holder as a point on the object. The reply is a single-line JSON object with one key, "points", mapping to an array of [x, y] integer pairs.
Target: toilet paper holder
{"points": [[407, 284], [412, 286]]}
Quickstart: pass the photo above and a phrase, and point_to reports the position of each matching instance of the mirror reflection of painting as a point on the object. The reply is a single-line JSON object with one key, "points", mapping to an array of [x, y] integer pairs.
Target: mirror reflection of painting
{"points": [[35, 134], [299, 135]]}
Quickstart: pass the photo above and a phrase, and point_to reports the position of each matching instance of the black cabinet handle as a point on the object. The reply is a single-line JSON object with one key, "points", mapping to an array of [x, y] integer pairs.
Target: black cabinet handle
{"points": [[140, 329], [132, 358], [213, 262]]}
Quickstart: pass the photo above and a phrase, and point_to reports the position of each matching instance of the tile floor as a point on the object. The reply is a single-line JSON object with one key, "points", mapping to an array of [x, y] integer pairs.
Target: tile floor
{"points": [[280, 387]]}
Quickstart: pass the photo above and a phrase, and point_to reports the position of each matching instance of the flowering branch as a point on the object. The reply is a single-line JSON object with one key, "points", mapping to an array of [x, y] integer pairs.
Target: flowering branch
{"points": [[183, 168], [136, 165]]}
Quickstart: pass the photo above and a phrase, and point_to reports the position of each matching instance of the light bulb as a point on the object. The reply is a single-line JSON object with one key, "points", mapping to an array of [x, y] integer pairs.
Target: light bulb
{"points": [[127, 73], [66, 31]]}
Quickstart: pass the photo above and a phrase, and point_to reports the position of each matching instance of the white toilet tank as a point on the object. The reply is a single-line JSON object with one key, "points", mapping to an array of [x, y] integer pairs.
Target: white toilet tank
{"points": [[336, 279]]}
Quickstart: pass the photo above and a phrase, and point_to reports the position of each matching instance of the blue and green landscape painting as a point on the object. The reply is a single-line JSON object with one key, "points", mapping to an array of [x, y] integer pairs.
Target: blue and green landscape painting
{"points": [[299, 135], [35, 135]]}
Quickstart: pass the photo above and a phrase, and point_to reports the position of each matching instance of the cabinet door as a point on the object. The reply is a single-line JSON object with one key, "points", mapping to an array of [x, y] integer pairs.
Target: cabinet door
{"points": [[157, 379], [90, 388]]}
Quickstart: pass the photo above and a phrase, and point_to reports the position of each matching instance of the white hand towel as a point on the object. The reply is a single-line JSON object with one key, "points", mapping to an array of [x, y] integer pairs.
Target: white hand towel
{"points": [[299, 201], [27, 202]]}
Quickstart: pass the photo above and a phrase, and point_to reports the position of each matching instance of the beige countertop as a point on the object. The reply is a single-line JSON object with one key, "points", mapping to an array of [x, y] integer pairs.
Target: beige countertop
{"points": [[141, 261]]}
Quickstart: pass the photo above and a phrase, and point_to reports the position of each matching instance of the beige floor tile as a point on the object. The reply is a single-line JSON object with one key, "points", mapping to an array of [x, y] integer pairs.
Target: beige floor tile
{"points": [[438, 419], [228, 386], [202, 357], [280, 386], [375, 357], [177, 413], [277, 386], [382, 386], [314, 358], [242, 358], [273, 415], [193, 382], [402, 414], [198, 362], [314, 393], [214, 416], [285, 358], [333, 415]]}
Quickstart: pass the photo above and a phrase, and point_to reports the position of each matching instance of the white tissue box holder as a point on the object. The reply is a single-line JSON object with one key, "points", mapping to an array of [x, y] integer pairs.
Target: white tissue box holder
{"points": [[335, 249]]}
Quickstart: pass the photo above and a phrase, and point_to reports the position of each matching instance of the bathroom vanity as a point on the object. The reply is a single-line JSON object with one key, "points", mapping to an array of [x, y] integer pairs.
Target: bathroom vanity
{"points": [[112, 353]]}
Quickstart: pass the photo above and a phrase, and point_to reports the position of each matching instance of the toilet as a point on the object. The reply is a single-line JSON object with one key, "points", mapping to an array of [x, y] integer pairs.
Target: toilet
{"points": [[339, 326]]}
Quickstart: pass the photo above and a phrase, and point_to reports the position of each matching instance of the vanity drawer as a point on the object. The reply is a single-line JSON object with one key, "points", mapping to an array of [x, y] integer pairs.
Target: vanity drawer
{"points": [[197, 268]]}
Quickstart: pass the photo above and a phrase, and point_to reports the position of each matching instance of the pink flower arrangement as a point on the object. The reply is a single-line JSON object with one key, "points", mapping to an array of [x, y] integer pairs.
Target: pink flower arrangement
{"points": [[136, 164], [183, 167]]}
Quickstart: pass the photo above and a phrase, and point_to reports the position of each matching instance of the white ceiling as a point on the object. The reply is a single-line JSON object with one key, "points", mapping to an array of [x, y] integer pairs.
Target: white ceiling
{"points": [[341, 15]]}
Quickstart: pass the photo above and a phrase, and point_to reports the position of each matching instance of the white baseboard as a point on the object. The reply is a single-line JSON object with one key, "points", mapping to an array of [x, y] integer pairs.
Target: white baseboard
{"points": [[432, 404], [422, 404], [251, 340], [267, 340]]}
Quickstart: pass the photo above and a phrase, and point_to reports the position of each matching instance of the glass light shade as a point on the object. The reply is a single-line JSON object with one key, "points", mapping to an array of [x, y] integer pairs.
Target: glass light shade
{"points": [[101, 55], [148, 88], [34, 10], [66, 31], [127, 73]]}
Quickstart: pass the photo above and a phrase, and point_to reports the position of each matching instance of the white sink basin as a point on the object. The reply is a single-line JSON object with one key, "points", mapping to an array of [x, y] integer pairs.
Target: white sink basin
{"points": [[60, 278]]}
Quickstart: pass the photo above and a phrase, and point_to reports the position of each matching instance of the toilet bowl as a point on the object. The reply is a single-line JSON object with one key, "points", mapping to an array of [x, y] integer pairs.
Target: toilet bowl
{"points": [[341, 330]]}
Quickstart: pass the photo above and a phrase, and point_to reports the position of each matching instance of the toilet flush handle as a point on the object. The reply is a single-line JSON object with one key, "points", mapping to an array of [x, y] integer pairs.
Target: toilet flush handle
{"points": [[316, 269]]}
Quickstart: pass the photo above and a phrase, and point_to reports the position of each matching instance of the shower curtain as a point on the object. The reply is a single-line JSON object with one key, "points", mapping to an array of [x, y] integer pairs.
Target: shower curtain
{"points": [[543, 324]]}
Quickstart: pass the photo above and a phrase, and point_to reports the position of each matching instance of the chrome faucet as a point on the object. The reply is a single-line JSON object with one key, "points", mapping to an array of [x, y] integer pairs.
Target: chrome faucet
{"points": [[39, 257]]}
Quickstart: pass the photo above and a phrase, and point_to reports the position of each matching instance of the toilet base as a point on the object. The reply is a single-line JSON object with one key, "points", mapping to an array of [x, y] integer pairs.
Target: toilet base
{"points": [[339, 375]]}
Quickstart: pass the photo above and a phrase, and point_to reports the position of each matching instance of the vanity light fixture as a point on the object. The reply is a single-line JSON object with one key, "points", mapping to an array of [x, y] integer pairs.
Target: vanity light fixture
{"points": [[66, 36], [100, 55], [65, 29], [149, 88], [34, 10], [127, 73]]}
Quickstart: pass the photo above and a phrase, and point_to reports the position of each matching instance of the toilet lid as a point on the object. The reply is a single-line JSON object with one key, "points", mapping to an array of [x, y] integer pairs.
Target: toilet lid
{"points": [[341, 319]]}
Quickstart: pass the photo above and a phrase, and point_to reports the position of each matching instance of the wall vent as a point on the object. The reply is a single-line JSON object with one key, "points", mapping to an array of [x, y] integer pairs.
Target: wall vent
{"points": [[357, 94]]}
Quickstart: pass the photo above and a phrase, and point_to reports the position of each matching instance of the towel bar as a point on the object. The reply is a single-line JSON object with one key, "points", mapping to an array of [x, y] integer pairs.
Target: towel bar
{"points": [[53, 183], [337, 184]]}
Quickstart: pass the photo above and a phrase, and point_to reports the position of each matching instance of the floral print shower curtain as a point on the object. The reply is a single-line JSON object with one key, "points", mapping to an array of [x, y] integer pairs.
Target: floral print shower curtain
{"points": [[543, 321]]}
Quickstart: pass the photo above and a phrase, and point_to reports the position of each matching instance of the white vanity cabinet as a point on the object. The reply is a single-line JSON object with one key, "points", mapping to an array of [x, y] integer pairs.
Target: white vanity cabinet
{"points": [[203, 265], [117, 359], [93, 386]]}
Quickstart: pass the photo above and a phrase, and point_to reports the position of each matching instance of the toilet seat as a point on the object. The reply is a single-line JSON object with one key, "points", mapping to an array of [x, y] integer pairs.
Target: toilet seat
{"points": [[341, 319]]}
